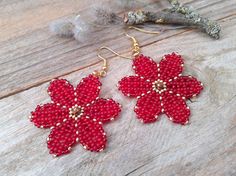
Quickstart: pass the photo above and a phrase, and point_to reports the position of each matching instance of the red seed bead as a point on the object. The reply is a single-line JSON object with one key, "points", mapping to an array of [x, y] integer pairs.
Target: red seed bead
{"points": [[62, 92], [146, 111], [48, 115], [103, 110], [75, 116], [175, 108], [144, 66], [161, 88], [91, 135], [134, 86], [88, 89], [170, 66], [185, 86]]}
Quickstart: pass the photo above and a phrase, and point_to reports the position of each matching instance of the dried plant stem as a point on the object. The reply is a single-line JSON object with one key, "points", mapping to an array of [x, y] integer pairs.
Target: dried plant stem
{"points": [[82, 27], [177, 14]]}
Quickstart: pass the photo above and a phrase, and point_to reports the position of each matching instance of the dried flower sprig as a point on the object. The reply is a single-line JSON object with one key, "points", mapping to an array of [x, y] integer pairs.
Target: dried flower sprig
{"points": [[71, 27], [63, 27], [105, 16]]}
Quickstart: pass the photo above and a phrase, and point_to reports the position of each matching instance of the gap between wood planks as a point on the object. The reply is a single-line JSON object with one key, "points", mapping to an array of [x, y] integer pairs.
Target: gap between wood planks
{"points": [[97, 62]]}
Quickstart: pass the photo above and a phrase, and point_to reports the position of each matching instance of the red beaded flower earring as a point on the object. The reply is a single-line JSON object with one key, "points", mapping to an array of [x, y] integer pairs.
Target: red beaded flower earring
{"points": [[159, 88], [75, 115]]}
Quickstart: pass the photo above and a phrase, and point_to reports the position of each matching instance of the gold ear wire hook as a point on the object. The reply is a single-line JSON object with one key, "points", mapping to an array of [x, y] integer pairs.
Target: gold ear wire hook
{"points": [[109, 49], [135, 51], [143, 30], [136, 48], [104, 69]]}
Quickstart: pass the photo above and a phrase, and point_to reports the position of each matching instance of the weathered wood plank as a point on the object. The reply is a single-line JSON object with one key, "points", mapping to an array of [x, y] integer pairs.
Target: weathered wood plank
{"points": [[23, 17], [206, 147], [33, 53]]}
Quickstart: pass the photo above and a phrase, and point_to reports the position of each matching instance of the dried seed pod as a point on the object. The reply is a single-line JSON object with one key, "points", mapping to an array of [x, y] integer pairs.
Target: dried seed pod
{"points": [[62, 27]]}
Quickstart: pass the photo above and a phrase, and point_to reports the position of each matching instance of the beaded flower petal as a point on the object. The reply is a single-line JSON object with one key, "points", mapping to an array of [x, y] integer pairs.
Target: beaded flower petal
{"points": [[160, 88], [75, 115]]}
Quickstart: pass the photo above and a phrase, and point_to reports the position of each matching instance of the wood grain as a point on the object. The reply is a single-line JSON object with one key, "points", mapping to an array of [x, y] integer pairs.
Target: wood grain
{"points": [[31, 57], [34, 52]]}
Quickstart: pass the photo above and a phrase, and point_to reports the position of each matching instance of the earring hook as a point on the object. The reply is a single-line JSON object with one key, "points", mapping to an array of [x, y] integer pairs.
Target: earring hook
{"points": [[136, 48], [135, 51], [103, 71], [111, 50], [143, 30]]}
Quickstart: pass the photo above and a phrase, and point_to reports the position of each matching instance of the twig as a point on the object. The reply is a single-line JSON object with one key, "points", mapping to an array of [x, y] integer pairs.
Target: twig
{"points": [[85, 28], [177, 14]]}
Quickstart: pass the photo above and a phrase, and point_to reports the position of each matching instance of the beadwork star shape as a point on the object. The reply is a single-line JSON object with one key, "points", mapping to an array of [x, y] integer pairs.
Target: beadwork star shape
{"points": [[75, 115], [160, 88]]}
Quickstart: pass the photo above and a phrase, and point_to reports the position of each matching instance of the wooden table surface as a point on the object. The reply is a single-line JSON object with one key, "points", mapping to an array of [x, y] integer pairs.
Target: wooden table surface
{"points": [[30, 56]]}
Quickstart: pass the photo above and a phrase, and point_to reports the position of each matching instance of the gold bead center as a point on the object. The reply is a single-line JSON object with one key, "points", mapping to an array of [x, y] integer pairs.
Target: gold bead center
{"points": [[76, 111], [159, 86]]}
